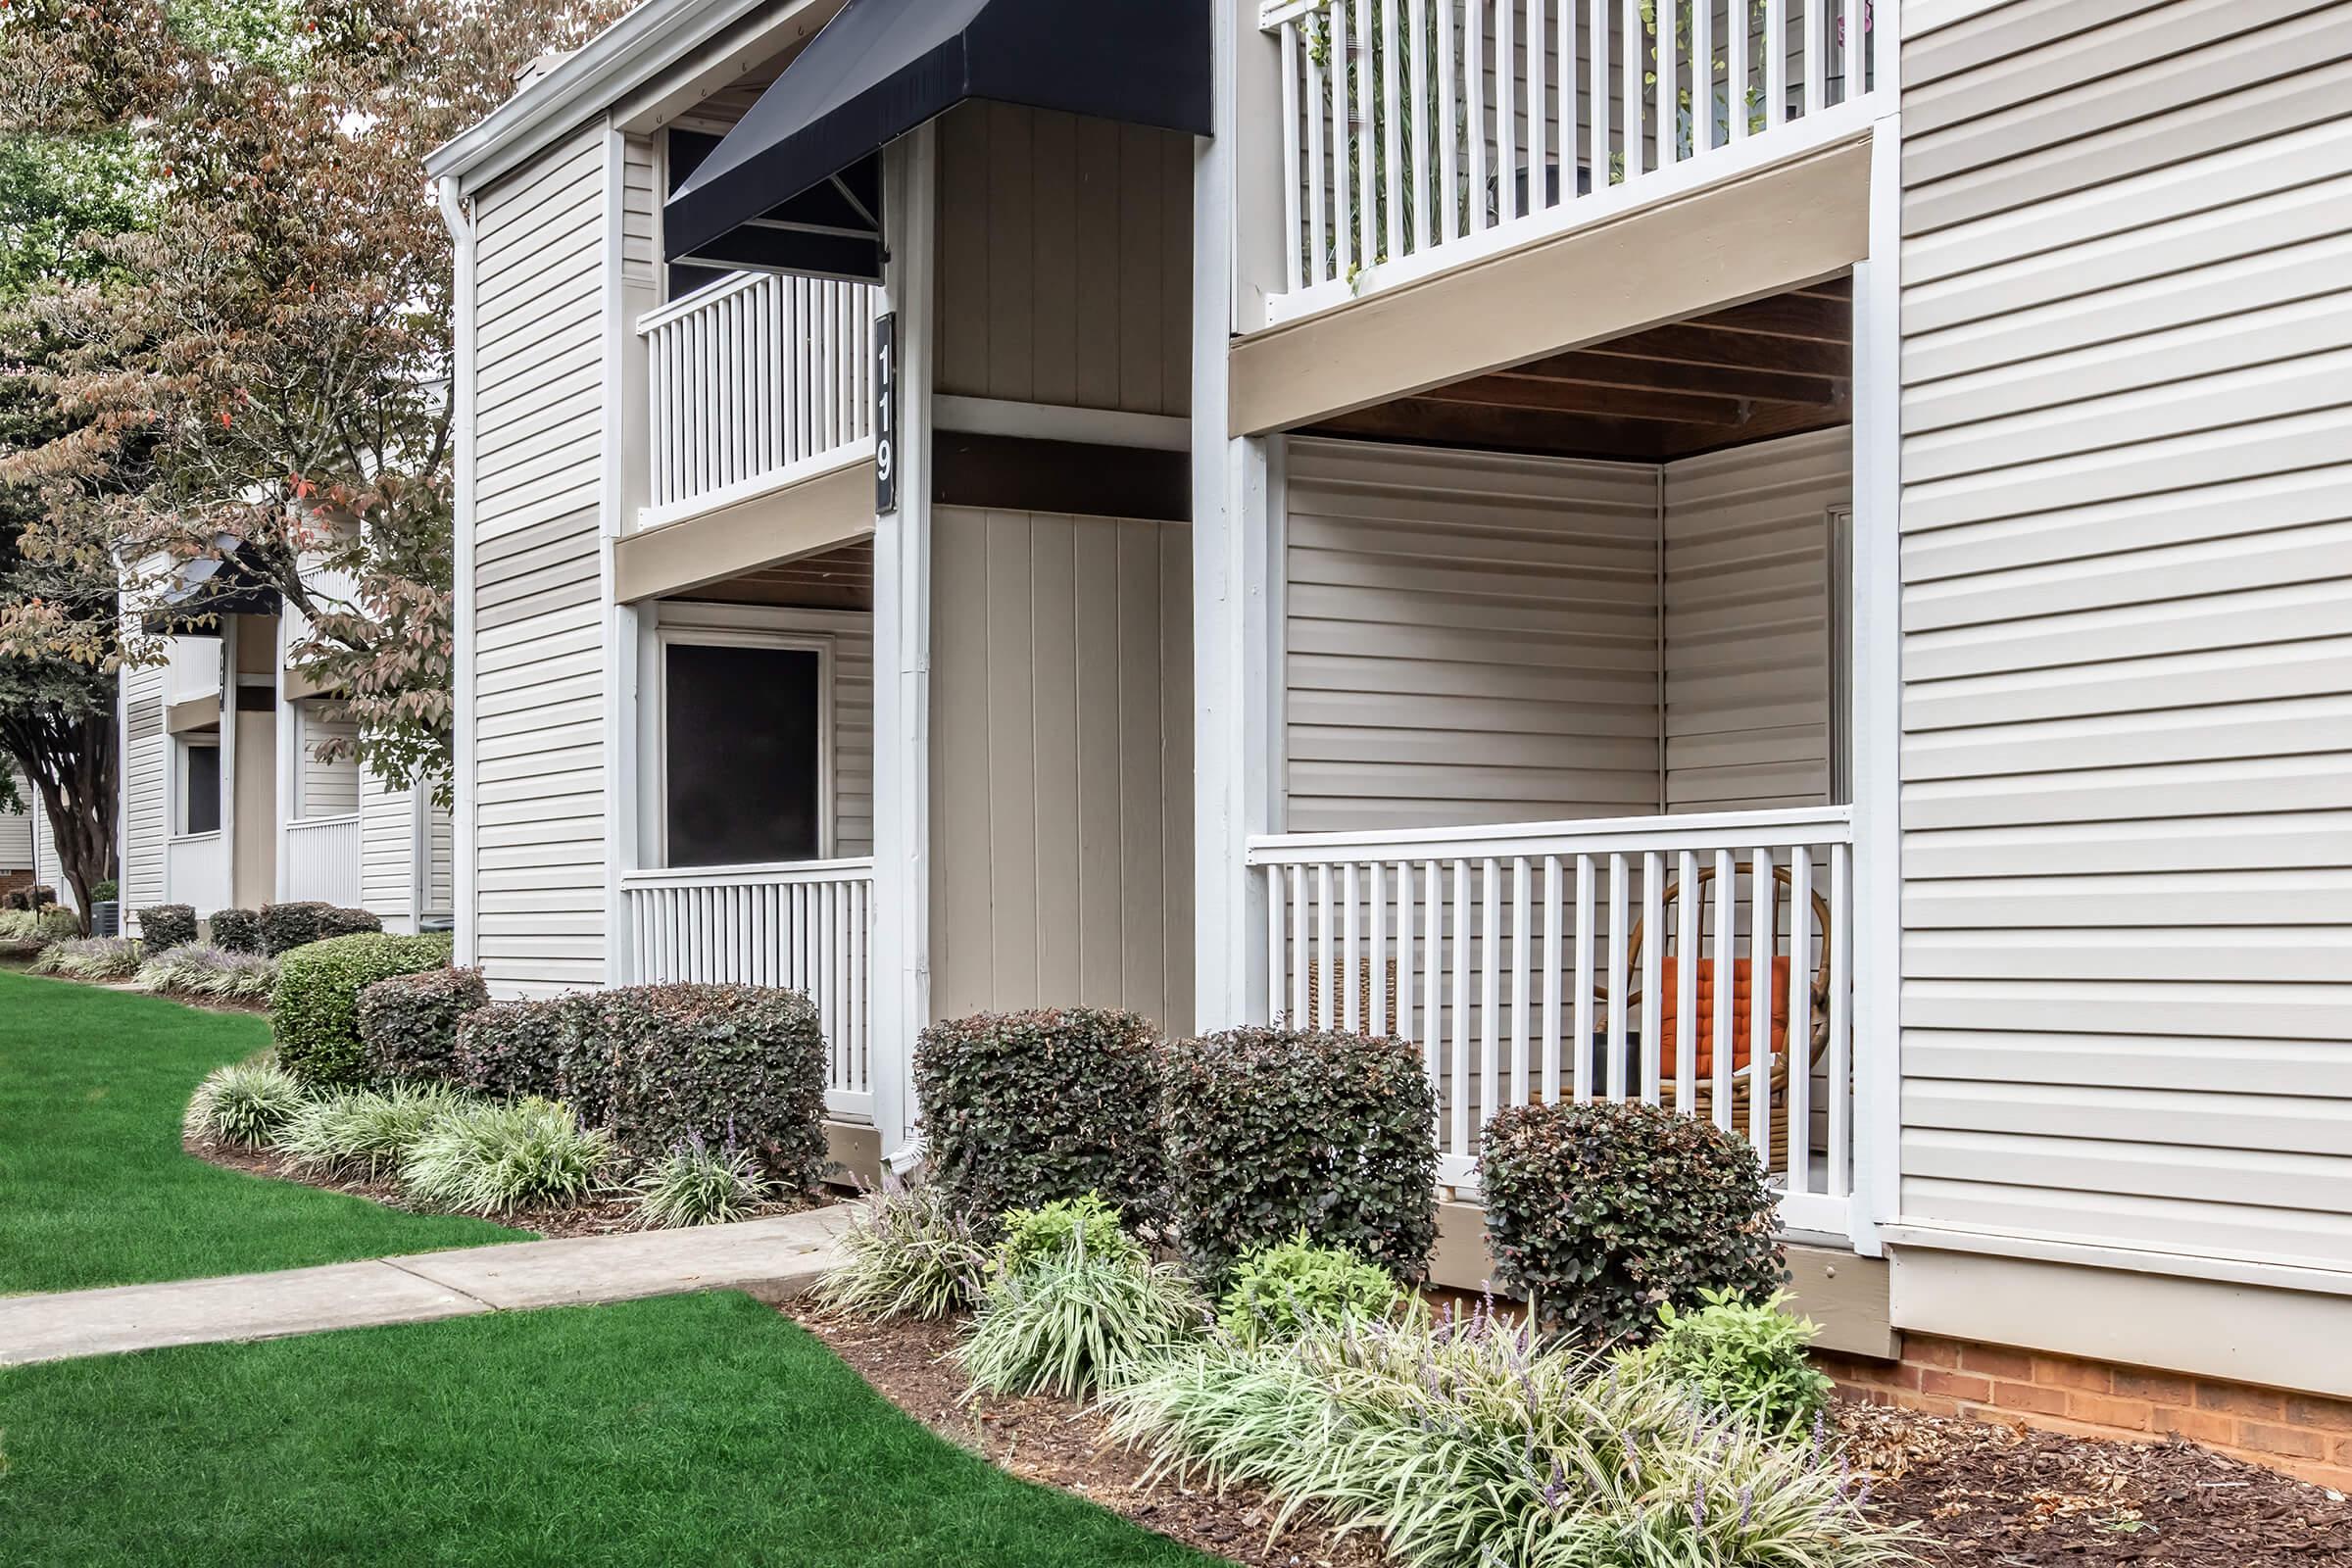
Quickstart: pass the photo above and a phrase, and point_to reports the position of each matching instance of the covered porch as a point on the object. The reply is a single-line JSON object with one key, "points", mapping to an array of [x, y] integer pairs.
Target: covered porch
{"points": [[1561, 717]]}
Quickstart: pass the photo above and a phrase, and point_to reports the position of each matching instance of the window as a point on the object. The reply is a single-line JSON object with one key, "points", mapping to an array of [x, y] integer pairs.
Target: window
{"points": [[744, 752], [200, 787]]}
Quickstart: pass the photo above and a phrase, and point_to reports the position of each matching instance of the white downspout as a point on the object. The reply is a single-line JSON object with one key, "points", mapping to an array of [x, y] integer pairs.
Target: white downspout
{"points": [[457, 211]]}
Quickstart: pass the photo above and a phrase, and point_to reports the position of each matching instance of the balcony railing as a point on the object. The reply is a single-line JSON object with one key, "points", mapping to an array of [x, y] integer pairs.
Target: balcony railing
{"points": [[805, 925], [1414, 125], [755, 382], [323, 859], [1553, 960], [196, 871]]}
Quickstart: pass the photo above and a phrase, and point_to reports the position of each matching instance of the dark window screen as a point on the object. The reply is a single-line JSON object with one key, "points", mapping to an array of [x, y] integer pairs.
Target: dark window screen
{"points": [[204, 788], [742, 754]]}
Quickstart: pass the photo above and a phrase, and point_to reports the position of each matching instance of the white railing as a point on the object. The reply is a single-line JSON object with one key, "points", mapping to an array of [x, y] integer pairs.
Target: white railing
{"points": [[1411, 125], [1544, 961], [191, 668], [196, 871], [753, 383], [806, 926], [322, 859]]}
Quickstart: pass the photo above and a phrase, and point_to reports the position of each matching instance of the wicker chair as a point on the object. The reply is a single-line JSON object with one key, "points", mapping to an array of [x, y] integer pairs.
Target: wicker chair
{"points": [[1775, 996]]}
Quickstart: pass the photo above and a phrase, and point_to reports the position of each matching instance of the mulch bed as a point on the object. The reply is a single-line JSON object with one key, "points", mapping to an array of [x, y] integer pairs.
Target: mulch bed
{"points": [[1999, 1495], [1059, 1444], [603, 1217], [1982, 1496]]}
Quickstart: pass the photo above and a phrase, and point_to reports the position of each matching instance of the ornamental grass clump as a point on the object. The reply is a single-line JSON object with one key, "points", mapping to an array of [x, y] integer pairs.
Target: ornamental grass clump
{"points": [[364, 1132], [1021, 1108], [1074, 1320], [907, 1252], [1745, 1357], [1471, 1442], [695, 1184], [246, 1103], [90, 959], [1602, 1212], [494, 1157], [218, 973], [1274, 1130], [1282, 1292]]}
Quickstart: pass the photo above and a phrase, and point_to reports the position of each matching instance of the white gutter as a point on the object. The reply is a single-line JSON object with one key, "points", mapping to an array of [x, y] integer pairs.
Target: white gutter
{"points": [[458, 213]]}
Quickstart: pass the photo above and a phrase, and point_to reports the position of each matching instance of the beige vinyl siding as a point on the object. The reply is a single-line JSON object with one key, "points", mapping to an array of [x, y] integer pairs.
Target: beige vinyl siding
{"points": [[1470, 637], [45, 866], [1748, 623], [1064, 261], [387, 850], [539, 784], [2127, 760], [325, 789], [146, 820], [16, 828], [1061, 765]]}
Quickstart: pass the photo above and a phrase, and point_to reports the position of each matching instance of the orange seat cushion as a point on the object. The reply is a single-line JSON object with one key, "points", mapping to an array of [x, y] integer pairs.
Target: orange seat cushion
{"points": [[1742, 1015]]}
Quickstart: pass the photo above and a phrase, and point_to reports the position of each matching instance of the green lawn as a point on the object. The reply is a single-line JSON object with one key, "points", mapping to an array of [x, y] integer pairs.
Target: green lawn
{"points": [[94, 1189], [698, 1430]]}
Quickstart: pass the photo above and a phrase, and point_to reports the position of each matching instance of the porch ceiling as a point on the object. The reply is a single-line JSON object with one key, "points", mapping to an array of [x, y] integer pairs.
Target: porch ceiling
{"points": [[1771, 367], [839, 579]]}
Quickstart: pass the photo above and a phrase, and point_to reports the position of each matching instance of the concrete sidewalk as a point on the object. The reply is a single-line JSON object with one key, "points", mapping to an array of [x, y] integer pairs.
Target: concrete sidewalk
{"points": [[771, 1258]]}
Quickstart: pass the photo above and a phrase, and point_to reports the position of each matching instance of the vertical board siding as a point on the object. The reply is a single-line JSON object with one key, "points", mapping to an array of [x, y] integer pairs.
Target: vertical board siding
{"points": [[1748, 623], [539, 782], [1064, 266], [1470, 638], [1061, 765], [2127, 759], [146, 820]]}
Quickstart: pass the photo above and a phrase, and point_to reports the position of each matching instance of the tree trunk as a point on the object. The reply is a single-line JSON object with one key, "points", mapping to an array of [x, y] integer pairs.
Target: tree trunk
{"points": [[72, 761]]}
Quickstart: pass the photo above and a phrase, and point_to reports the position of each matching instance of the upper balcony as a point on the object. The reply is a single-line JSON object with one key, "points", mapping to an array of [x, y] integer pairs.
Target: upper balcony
{"points": [[1419, 135], [755, 384]]}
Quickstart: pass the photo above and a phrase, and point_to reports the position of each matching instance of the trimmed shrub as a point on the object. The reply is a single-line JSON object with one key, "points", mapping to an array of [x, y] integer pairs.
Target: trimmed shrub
{"points": [[36, 898], [1272, 1132], [90, 959], [1082, 1224], [287, 926], [409, 1024], [496, 1156], [1022, 1108], [168, 925], [1074, 1320], [1603, 1212], [247, 1103], [1280, 1292], [201, 971], [56, 923], [660, 1065], [1746, 1358], [313, 1010], [238, 931], [695, 1184], [907, 1251], [104, 889], [509, 1048], [364, 1130]]}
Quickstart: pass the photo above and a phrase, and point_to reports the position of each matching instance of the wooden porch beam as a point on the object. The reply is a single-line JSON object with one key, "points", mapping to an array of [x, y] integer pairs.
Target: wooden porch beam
{"points": [[1629, 368]]}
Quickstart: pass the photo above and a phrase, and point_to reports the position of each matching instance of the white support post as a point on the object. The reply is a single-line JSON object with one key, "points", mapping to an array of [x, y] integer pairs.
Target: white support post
{"points": [[287, 735], [1874, 716], [626, 487], [1235, 628], [457, 211], [899, 960]]}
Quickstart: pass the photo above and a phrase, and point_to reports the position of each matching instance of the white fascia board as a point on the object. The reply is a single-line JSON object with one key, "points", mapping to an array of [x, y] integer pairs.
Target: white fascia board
{"points": [[639, 48]]}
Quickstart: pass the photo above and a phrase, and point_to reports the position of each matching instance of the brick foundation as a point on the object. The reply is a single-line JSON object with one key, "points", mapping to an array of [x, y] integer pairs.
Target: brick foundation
{"points": [[2304, 1434]]}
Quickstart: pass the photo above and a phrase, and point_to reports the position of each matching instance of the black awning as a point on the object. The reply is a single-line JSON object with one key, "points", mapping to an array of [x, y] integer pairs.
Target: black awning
{"points": [[788, 188], [205, 588]]}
